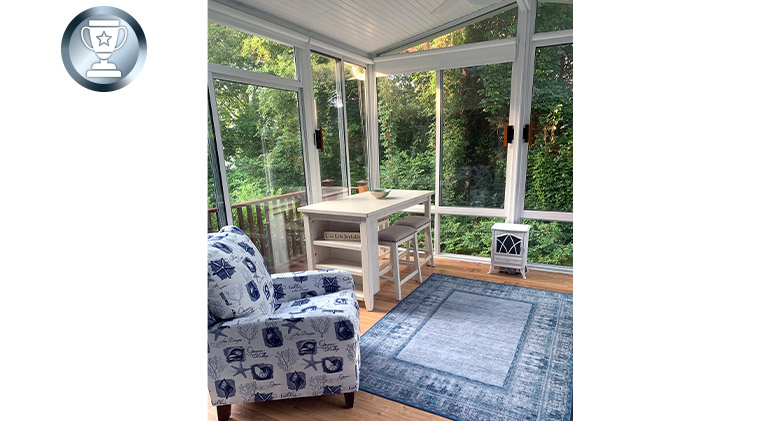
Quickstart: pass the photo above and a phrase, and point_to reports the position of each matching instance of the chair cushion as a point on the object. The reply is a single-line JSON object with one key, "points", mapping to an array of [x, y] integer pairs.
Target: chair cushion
{"points": [[239, 282], [395, 233], [417, 222]]}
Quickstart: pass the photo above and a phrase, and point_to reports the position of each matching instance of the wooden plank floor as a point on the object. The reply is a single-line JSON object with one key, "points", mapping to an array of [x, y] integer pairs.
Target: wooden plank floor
{"points": [[368, 406]]}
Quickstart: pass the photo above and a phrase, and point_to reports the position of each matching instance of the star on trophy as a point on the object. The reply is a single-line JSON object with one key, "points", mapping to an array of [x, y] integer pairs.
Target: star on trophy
{"points": [[104, 35]]}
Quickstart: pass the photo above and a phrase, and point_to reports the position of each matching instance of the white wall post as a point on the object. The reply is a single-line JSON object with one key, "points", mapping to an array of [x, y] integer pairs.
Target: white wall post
{"points": [[520, 112], [372, 125]]}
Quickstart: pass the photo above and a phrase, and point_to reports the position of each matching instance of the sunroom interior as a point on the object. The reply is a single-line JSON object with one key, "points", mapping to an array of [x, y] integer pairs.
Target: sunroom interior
{"points": [[317, 100]]}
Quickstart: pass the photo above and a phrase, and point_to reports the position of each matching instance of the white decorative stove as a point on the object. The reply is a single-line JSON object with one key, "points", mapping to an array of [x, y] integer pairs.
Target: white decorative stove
{"points": [[510, 246]]}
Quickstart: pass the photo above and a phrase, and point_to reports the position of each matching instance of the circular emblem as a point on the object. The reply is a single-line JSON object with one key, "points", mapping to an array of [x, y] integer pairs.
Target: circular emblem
{"points": [[103, 48]]}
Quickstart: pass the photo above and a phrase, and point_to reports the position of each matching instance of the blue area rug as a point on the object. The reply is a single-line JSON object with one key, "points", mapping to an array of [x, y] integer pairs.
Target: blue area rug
{"points": [[473, 350]]}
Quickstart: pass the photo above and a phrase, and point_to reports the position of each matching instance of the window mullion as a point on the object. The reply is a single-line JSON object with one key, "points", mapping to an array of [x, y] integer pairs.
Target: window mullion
{"points": [[439, 133], [219, 150], [519, 116], [311, 157], [343, 135]]}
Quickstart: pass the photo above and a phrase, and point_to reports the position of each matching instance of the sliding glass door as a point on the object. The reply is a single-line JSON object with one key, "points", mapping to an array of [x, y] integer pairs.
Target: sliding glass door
{"points": [[339, 98], [264, 166]]}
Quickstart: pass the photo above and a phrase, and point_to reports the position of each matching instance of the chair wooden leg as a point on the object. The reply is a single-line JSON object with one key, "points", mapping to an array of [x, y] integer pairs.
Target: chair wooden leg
{"points": [[397, 272], [223, 412], [417, 260], [349, 398], [429, 245]]}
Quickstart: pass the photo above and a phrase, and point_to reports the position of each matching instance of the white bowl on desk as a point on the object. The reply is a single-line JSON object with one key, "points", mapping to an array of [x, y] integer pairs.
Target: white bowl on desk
{"points": [[379, 193]]}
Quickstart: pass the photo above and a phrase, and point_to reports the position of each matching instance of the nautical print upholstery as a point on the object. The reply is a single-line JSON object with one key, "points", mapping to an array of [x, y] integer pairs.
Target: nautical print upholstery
{"points": [[308, 345], [239, 282]]}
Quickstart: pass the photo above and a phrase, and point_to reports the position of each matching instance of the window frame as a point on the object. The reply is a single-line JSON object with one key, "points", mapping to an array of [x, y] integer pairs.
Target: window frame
{"points": [[520, 51], [303, 84]]}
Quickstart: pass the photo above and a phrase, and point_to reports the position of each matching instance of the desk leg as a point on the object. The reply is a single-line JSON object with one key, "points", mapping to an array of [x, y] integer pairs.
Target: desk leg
{"points": [[369, 261], [309, 244]]}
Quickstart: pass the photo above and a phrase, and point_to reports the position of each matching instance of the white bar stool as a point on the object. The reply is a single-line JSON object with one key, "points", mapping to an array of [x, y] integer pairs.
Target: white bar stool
{"points": [[421, 223], [392, 237]]}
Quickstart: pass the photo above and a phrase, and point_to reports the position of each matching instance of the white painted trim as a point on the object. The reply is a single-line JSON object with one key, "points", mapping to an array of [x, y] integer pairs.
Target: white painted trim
{"points": [[548, 216], [551, 268], [486, 260], [343, 135], [464, 257], [253, 78], [220, 149], [372, 127], [459, 211], [520, 115], [548, 39], [249, 19], [311, 156], [237, 19], [480, 53], [445, 28], [340, 53], [439, 134], [466, 211]]}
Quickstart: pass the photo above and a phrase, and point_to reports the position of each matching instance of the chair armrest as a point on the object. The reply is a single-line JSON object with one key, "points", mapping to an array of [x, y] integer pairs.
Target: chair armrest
{"points": [[311, 283], [287, 346]]}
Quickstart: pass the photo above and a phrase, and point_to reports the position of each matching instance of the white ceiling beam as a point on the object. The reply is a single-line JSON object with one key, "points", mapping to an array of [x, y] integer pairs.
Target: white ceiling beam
{"points": [[476, 54], [445, 28], [546, 39]]}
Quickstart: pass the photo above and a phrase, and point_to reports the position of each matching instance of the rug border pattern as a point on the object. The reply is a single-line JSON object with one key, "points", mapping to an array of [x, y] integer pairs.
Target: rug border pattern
{"points": [[414, 301]]}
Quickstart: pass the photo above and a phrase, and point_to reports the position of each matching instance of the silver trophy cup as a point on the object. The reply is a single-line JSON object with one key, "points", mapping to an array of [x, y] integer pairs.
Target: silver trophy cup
{"points": [[104, 35]]}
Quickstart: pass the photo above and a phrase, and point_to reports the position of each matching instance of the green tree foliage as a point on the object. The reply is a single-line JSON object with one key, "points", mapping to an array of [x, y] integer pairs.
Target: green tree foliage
{"points": [[260, 127], [469, 235], [354, 102], [554, 16], [262, 141], [407, 131], [475, 104], [328, 103], [549, 184]]}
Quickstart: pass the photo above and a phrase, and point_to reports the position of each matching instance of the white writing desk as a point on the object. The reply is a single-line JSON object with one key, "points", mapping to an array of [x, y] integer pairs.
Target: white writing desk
{"points": [[360, 212]]}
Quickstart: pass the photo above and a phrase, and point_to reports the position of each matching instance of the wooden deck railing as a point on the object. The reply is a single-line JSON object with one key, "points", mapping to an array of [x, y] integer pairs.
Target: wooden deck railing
{"points": [[274, 218]]}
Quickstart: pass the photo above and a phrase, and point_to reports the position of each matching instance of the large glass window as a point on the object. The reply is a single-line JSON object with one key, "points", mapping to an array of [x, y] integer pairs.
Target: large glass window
{"points": [[355, 102], [261, 141], [554, 15], [475, 102], [234, 48], [467, 235], [407, 131], [551, 242], [499, 25], [549, 180], [328, 104]]}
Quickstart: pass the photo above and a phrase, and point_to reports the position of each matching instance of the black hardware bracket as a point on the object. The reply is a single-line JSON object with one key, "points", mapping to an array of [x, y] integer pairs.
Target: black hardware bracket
{"points": [[318, 139]]}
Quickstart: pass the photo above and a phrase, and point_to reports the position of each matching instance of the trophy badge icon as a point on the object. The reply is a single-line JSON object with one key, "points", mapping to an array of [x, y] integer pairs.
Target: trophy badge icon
{"points": [[104, 38]]}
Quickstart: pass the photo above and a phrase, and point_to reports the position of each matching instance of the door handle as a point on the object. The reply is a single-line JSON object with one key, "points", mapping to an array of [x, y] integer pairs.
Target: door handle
{"points": [[318, 143]]}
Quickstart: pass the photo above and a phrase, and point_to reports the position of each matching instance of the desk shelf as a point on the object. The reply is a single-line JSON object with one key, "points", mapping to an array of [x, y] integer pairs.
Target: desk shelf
{"points": [[338, 244], [351, 266], [355, 213]]}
